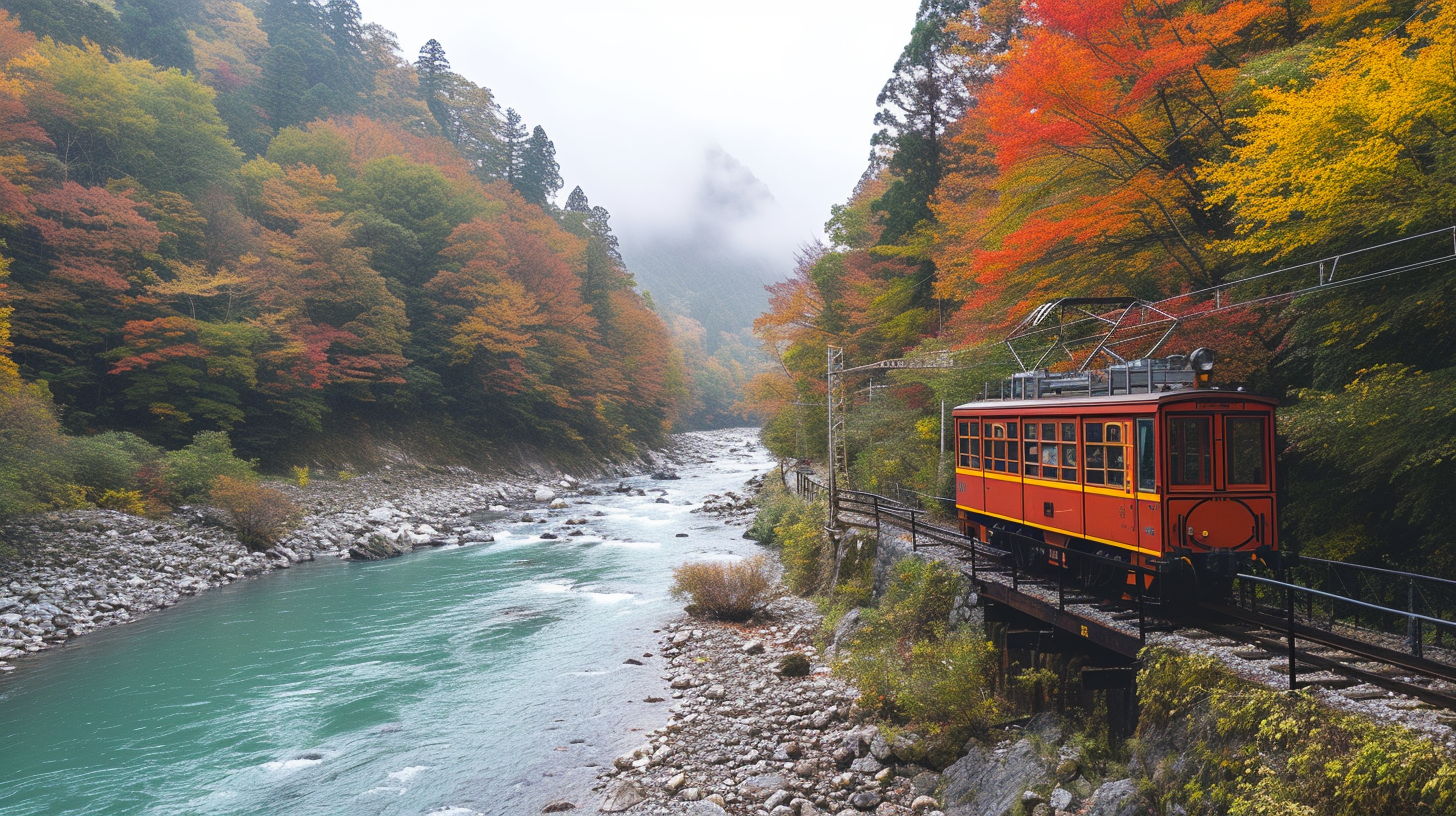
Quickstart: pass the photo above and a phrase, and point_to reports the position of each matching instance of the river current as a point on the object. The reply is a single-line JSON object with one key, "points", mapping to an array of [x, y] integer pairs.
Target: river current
{"points": [[487, 679]]}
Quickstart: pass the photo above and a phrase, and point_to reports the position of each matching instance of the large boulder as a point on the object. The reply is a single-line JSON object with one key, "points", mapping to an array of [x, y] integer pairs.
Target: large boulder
{"points": [[988, 782], [623, 796], [545, 494], [1116, 798], [377, 548]]}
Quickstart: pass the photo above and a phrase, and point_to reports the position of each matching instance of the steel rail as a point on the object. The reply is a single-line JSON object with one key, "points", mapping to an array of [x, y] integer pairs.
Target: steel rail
{"points": [[1275, 643]]}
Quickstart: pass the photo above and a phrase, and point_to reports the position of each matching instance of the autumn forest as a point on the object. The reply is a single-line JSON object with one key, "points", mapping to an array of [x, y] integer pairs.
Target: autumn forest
{"points": [[265, 220], [1032, 151]]}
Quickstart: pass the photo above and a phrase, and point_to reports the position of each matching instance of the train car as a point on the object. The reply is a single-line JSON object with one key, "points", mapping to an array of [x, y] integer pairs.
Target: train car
{"points": [[1145, 463]]}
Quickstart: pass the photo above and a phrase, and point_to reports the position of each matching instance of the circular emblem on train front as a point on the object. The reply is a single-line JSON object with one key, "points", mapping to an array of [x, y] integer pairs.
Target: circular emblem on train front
{"points": [[1221, 524]]}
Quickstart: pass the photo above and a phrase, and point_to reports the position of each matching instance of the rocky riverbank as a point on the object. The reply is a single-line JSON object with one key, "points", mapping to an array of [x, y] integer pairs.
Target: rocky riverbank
{"points": [[749, 734], [75, 572]]}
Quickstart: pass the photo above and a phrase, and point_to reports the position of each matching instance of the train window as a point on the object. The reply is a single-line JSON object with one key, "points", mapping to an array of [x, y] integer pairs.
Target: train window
{"points": [[1058, 461], [1105, 463], [1032, 451], [1190, 451], [1246, 465], [967, 444], [1147, 459], [1001, 453]]}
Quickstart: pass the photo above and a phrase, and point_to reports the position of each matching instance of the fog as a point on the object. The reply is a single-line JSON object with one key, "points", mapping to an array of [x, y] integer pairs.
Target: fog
{"points": [[718, 135]]}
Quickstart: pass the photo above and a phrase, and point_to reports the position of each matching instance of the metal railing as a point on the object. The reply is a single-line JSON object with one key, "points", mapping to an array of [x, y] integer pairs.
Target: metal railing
{"points": [[1305, 609], [1020, 558], [1366, 589]]}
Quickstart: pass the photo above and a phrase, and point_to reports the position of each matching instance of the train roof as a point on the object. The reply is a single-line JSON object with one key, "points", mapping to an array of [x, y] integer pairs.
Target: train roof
{"points": [[1155, 398]]}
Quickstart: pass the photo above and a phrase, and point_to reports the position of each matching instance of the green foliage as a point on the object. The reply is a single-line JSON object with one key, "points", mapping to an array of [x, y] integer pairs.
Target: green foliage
{"points": [[33, 470], [774, 502], [1247, 750], [111, 461], [910, 666], [1390, 432], [803, 546], [189, 473], [918, 601], [794, 664]]}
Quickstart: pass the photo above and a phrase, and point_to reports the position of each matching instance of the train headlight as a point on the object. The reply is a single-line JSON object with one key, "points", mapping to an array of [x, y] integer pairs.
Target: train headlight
{"points": [[1202, 361]]}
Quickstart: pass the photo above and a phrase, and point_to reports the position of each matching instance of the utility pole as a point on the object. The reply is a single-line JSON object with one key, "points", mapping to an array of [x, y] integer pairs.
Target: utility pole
{"points": [[838, 453]]}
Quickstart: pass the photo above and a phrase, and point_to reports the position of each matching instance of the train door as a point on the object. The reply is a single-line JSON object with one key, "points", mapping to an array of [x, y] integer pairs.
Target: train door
{"points": [[1001, 467], [1108, 477]]}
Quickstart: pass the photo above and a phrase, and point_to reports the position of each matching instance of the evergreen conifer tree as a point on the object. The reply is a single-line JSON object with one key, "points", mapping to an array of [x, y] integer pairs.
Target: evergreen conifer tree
{"points": [[433, 70], [540, 176]]}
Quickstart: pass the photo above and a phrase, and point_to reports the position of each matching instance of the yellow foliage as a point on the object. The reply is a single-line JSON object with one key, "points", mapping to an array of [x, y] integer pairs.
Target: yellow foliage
{"points": [[300, 476], [1352, 150], [123, 501]]}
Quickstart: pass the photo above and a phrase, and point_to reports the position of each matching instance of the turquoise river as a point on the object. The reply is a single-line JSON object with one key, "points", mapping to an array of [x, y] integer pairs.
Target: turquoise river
{"points": [[487, 679]]}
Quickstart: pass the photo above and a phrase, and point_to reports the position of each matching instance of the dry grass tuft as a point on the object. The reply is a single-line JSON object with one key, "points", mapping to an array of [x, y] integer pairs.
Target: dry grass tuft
{"points": [[730, 591]]}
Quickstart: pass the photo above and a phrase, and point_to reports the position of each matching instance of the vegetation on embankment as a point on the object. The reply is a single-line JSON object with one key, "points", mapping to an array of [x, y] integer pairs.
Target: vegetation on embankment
{"points": [[1212, 743], [915, 669], [43, 469], [1035, 151]]}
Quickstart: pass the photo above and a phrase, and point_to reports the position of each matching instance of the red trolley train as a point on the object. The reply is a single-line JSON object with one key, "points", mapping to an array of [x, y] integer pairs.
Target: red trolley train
{"points": [[1142, 462]]}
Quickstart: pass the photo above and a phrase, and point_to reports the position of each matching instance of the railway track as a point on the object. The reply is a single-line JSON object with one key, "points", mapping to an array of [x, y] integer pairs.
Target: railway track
{"points": [[1357, 660], [1325, 657]]}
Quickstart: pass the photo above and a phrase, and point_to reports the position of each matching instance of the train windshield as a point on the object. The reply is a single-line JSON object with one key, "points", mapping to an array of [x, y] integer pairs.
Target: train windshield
{"points": [[1246, 465], [1190, 450]]}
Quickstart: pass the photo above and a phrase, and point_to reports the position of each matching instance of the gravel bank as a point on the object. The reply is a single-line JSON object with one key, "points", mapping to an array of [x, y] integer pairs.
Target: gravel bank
{"points": [[743, 739]]}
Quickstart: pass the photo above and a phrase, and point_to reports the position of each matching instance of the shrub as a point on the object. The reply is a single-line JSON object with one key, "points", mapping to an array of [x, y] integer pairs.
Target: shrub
{"points": [[188, 474], [123, 501], [300, 476], [34, 473], [1253, 750], [773, 501], [803, 547], [731, 591], [909, 667], [261, 516], [794, 664], [346, 475], [918, 601], [110, 461]]}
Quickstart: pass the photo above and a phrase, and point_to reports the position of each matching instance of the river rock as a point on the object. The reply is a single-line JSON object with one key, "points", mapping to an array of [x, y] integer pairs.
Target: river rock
{"points": [[380, 515], [760, 787], [545, 494], [706, 808], [559, 806], [623, 796]]}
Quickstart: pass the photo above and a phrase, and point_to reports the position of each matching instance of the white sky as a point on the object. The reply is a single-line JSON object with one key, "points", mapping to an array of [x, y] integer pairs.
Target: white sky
{"points": [[634, 92]]}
